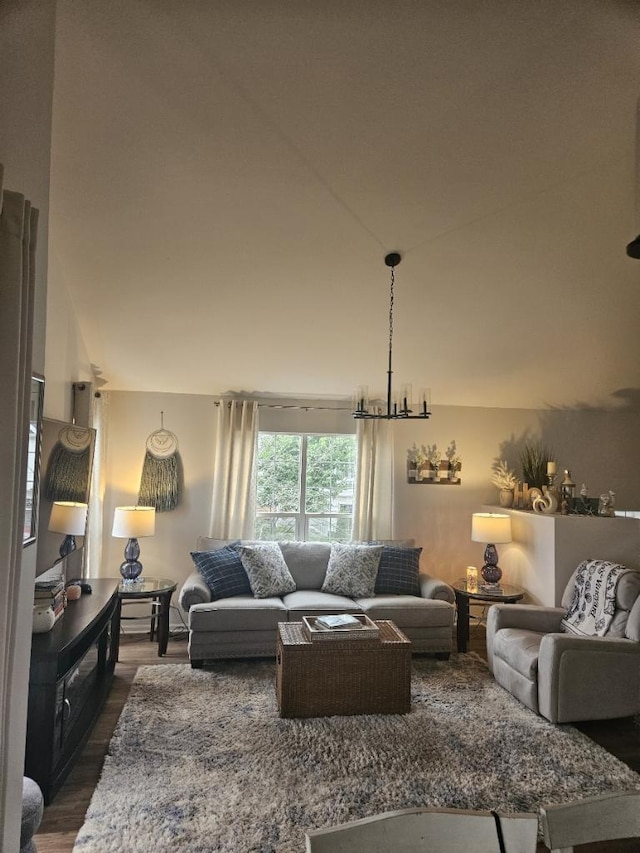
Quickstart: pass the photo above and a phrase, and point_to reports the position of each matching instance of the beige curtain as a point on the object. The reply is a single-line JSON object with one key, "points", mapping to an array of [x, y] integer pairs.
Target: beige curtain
{"points": [[233, 499], [95, 566], [18, 228], [373, 504]]}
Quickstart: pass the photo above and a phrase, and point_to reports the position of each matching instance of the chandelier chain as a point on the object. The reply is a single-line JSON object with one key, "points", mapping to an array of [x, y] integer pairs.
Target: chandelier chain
{"points": [[391, 296]]}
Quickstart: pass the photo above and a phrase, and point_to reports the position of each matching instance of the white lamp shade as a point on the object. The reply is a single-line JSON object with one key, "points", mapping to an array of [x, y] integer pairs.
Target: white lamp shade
{"points": [[133, 522], [68, 517], [490, 527]]}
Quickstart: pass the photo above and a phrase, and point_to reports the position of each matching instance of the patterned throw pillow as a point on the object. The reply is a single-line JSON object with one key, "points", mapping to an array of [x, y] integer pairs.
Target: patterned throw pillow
{"points": [[223, 571], [352, 570], [398, 571], [267, 570]]}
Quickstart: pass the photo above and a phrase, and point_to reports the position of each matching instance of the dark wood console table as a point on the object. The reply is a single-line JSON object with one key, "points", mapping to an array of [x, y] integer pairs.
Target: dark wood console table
{"points": [[70, 676]]}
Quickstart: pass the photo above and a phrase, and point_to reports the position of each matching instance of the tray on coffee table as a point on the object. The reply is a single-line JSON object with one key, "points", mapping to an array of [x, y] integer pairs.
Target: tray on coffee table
{"points": [[314, 632]]}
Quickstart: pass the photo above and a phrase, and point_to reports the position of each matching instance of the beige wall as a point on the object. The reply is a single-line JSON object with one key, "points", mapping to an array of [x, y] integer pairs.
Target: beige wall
{"points": [[599, 448], [131, 418]]}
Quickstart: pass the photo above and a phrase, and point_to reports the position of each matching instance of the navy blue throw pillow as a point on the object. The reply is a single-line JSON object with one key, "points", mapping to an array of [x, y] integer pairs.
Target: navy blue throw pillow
{"points": [[398, 571], [223, 571]]}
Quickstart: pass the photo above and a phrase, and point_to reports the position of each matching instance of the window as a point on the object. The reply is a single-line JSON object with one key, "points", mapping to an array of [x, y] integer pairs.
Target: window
{"points": [[304, 488]]}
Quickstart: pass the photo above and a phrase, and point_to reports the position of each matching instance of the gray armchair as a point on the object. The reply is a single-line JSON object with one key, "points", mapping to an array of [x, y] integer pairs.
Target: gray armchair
{"points": [[563, 676]]}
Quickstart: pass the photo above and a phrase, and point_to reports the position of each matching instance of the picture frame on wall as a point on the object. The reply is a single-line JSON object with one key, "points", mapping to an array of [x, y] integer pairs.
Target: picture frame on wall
{"points": [[36, 402]]}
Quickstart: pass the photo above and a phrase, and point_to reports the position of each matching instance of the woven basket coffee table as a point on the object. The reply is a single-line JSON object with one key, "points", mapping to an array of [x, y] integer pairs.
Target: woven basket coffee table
{"points": [[342, 676]]}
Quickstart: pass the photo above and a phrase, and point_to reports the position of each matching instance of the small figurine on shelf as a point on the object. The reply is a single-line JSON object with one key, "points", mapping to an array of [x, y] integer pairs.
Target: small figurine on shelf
{"points": [[606, 504]]}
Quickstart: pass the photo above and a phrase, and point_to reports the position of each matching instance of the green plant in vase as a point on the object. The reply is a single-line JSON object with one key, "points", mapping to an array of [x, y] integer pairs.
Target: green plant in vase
{"points": [[417, 461], [533, 459], [455, 460]]}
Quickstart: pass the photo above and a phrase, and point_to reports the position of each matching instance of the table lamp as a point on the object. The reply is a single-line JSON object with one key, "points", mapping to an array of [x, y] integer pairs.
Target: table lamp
{"points": [[132, 523], [491, 528], [70, 518]]}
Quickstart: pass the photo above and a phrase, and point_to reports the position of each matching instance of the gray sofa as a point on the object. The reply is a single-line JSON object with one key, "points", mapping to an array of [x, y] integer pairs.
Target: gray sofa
{"points": [[244, 626]]}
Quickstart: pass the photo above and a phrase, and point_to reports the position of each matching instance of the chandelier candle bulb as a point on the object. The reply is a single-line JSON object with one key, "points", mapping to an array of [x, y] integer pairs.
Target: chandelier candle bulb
{"points": [[406, 398]]}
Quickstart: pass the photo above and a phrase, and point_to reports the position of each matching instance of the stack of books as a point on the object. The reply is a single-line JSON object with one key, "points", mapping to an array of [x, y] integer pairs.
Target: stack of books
{"points": [[50, 593]]}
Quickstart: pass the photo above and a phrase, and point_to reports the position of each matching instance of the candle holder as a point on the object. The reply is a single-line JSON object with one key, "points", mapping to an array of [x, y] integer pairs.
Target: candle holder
{"points": [[472, 579]]}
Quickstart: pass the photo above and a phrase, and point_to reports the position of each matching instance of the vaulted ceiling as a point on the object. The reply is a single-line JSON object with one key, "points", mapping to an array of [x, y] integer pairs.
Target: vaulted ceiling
{"points": [[228, 175]]}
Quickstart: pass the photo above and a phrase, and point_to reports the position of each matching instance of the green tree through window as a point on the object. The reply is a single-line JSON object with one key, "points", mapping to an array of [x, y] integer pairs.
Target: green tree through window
{"points": [[305, 486]]}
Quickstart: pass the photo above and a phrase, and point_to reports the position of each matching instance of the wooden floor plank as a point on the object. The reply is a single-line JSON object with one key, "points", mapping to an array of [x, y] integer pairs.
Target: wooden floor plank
{"points": [[64, 817]]}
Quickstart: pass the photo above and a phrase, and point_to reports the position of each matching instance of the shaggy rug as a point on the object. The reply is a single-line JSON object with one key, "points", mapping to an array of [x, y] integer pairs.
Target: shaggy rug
{"points": [[201, 761]]}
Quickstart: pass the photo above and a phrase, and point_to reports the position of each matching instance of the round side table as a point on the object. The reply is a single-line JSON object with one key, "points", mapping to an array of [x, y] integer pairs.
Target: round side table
{"points": [[159, 590], [505, 594]]}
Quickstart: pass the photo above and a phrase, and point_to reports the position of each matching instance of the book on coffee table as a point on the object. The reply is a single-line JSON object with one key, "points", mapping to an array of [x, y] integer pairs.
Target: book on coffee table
{"points": [[339, 621]]}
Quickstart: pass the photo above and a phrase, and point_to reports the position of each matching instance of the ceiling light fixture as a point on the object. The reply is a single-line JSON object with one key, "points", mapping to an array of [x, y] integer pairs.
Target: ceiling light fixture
{"points": [[633, 248], [398, 407]]}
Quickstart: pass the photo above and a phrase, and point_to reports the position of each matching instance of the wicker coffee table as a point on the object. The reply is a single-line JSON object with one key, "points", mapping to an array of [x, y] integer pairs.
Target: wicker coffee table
{"points": [[342, 676]]}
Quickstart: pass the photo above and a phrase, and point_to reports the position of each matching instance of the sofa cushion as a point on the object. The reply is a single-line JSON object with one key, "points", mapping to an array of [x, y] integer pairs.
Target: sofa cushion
{"points": [[266, 568], [398, 571], [409, 611], [519, 648], [307, 562], [242, 613], [223, 571], [352, 570], [308, 602]]}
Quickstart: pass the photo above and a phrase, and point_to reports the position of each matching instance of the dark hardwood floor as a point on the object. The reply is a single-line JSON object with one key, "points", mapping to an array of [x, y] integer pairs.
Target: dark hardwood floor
{"points": [[64, 817]]}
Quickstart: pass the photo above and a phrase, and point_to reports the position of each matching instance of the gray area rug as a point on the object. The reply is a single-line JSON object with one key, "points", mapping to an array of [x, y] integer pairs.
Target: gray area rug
{"points": [[200, 760]]}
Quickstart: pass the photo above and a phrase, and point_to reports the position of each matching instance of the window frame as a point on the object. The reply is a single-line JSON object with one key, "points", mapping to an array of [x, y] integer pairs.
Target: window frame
{"points": [[302, 517]]}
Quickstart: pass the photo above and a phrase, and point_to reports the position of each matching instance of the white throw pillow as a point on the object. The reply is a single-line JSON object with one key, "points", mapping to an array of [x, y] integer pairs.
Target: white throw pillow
{"points": [[266, 569], [352, 570]]}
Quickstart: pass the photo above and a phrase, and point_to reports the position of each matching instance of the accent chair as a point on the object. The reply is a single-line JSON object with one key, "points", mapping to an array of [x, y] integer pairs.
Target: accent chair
{"points": [[564, 676]]}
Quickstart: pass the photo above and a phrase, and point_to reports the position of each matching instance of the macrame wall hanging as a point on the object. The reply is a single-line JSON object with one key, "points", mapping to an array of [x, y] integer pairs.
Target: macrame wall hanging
{"points": [[69, 464], [160, 483]]}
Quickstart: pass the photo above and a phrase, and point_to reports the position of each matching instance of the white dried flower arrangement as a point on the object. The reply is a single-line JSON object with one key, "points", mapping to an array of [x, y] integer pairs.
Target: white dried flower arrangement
{"points": [[503, 477]]}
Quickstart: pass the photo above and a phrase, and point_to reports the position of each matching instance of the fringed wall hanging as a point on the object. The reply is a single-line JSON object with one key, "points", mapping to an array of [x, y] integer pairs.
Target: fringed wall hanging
{"points": [[160, 483], [69, 465]]}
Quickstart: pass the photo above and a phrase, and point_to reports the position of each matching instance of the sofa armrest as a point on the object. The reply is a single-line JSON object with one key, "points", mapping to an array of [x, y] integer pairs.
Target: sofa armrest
{"points": [[194, 591], [588, 677], [431, 587], [528, 617]]}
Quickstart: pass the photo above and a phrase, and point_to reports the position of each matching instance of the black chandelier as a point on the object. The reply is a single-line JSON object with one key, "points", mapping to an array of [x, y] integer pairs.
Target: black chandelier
{"points": [[400, 407]]}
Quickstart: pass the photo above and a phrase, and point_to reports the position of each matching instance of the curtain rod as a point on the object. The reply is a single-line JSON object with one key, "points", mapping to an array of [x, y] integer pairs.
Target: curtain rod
{"points": [[298, 407]]}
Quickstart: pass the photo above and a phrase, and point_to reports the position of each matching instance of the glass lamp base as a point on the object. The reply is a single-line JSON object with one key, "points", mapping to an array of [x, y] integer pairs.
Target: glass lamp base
{"points": [[491, 571], [130, 571]]}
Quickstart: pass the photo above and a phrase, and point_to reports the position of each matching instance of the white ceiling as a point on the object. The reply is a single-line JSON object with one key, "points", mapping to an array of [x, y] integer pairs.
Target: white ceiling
{"points": [[227, 176]]}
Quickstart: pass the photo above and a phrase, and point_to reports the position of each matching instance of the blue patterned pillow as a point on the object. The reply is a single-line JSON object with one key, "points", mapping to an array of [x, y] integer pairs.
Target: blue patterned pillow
{"points": [[398, 571], [352, 570], [223, 571]]}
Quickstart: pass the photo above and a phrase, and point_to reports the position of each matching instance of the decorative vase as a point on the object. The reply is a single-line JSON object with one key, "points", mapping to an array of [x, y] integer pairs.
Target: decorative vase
{"points": [[506, 497], [547, 503]]}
